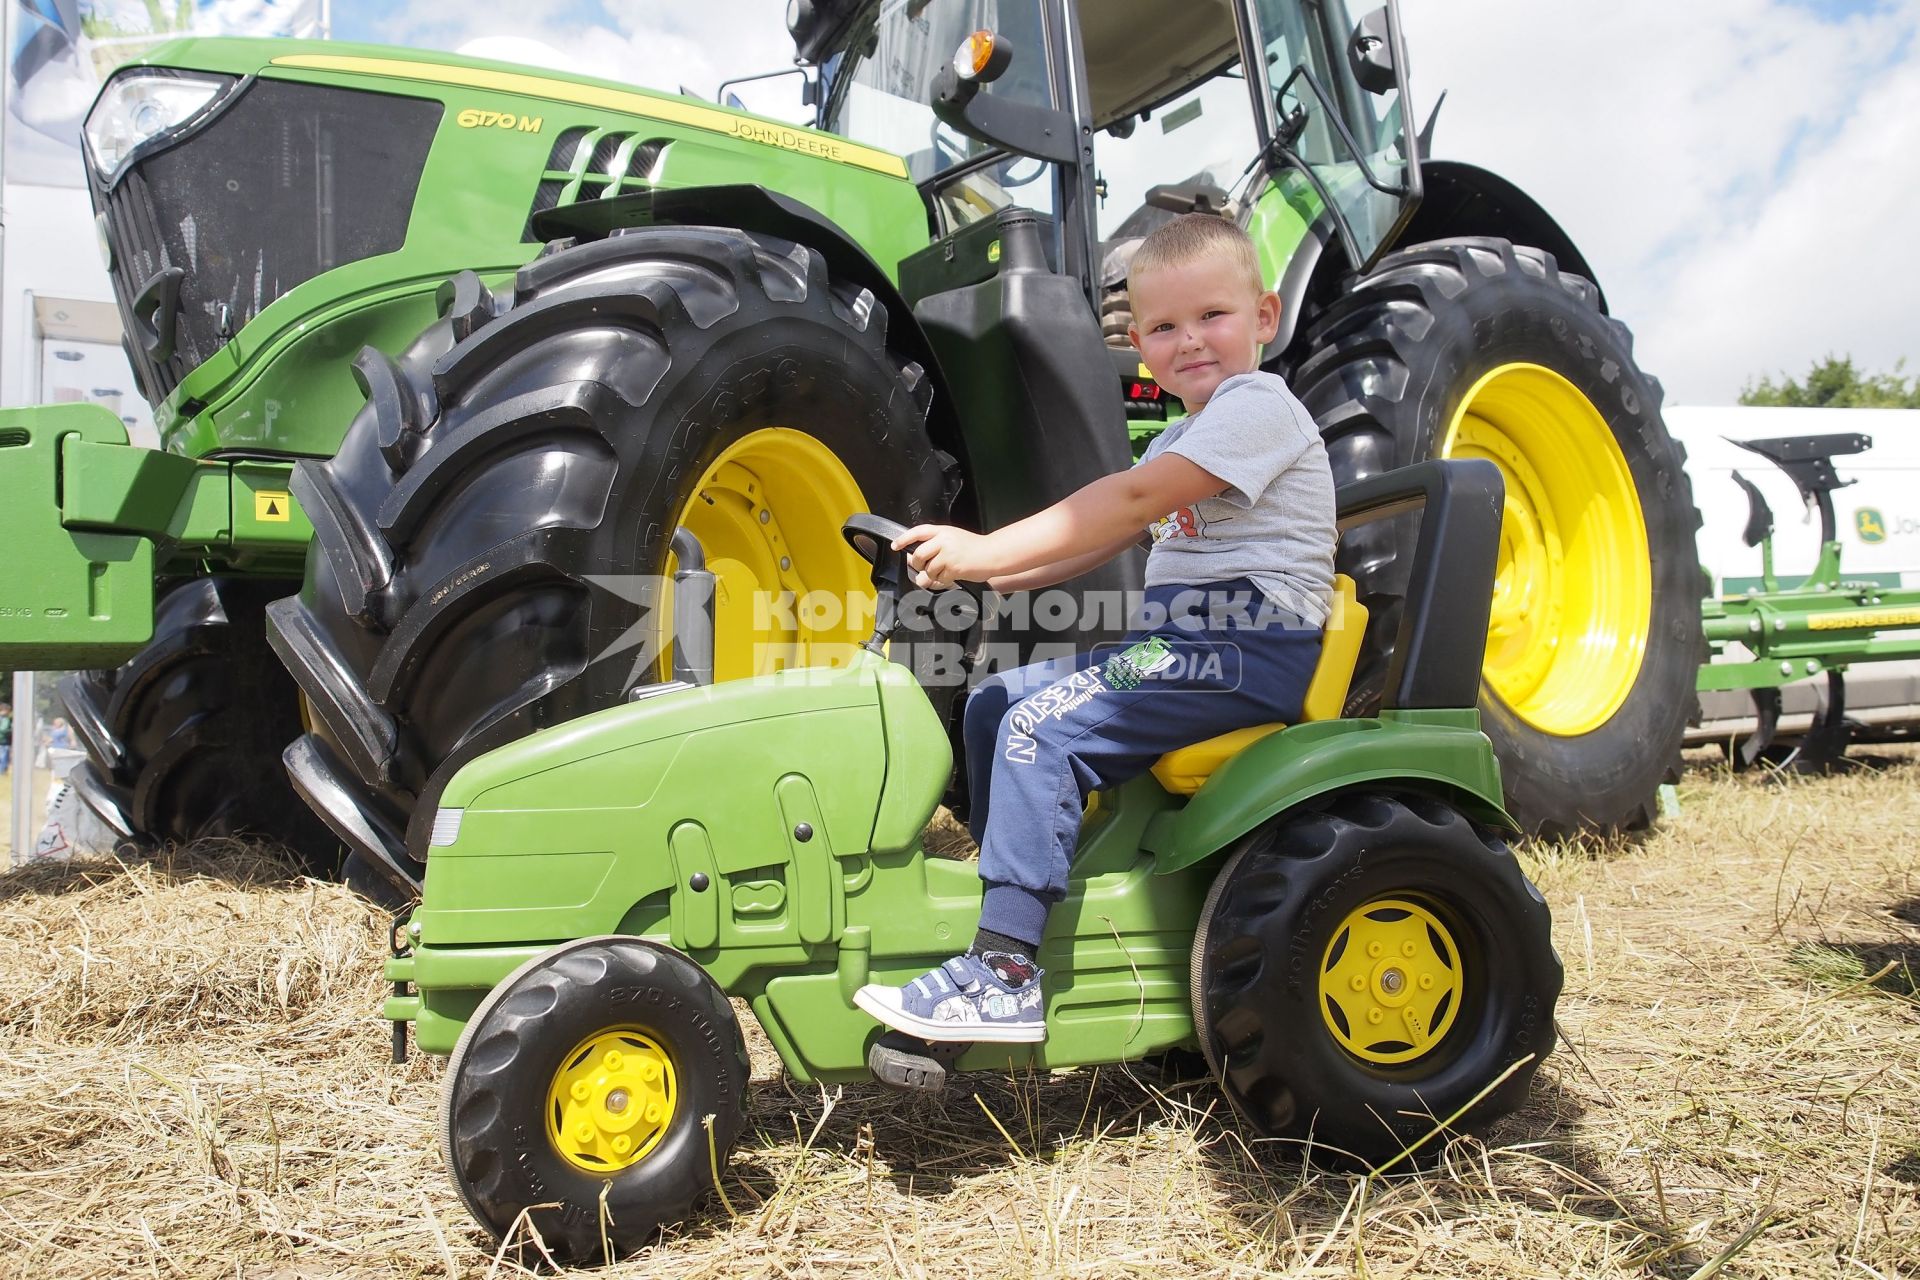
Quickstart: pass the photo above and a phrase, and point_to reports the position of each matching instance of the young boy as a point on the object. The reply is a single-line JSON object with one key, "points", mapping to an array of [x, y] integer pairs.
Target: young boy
{"points": [[1240, 503]]}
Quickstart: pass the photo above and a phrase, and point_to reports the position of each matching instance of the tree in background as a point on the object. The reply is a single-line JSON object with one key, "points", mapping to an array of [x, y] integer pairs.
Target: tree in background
{"points": [[1833, 383]]}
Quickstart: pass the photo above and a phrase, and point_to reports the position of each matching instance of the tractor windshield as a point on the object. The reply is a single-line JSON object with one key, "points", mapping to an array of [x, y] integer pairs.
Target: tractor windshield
{"points": [[1202, 137], [878, 91], [1352, 139]]}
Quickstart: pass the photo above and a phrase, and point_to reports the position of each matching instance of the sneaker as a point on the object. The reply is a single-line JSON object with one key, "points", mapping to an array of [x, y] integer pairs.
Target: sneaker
{"points": [[965, 1000]]}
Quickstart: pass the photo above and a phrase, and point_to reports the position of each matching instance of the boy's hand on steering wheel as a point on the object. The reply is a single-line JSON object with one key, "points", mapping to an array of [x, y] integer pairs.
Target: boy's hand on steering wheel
{"points": [[945, 555]]}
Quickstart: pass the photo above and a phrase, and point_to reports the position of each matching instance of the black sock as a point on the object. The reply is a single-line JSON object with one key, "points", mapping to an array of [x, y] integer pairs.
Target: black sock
{"points": [[986, 940], [1011, 959]]}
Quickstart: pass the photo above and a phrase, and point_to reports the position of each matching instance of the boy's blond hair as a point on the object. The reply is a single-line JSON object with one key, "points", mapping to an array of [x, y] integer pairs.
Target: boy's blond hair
{"points": [[1192, 237]]}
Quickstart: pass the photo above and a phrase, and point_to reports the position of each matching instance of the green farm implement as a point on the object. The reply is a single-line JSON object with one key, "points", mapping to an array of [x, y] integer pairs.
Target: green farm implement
{"points": [[1818, 626], [1326, 909], [442, 351]]}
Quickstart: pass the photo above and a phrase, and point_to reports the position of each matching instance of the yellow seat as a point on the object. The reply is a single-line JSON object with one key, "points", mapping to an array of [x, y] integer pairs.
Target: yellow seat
{"points": [[1184, 771]]}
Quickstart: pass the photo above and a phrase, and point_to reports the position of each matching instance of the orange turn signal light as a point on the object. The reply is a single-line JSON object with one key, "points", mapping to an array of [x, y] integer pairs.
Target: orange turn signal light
{"points": [[982, 56]]}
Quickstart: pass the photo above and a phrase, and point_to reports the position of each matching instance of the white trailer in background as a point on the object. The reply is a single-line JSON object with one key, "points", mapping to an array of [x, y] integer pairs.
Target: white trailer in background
{"points": [[1878, 523]]}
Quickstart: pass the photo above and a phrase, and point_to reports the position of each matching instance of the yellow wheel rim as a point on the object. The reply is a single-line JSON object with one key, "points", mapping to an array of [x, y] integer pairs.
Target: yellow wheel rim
{"points": [[1390, 982], [789, 591], [1573, 594], [611, 1100]]}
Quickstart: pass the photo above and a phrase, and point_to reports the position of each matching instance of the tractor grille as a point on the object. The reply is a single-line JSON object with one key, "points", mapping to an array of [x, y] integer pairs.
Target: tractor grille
{"points": [[588, 164], [289, 181]]}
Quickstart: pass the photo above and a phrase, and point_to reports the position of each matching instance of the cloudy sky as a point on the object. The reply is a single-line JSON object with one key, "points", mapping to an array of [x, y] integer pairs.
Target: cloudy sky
{"points": [[1737, 171]]}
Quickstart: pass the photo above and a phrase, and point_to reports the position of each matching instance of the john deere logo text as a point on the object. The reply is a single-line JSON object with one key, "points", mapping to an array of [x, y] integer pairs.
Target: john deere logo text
{"points": [[805, 141], [474, 118], [1869, 524]]}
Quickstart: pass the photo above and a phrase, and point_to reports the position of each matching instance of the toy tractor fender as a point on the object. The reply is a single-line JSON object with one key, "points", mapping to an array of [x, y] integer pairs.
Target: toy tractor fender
{"points": [[1427, 736]]}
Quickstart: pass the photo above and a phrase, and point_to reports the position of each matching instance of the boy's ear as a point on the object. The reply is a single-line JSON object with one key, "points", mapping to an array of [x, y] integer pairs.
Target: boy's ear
{"points": [[1267, 316], [1133, 336]]}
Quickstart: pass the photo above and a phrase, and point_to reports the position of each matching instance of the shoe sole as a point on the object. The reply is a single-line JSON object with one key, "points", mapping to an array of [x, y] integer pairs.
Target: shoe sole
{"points": [[948, 1032]]}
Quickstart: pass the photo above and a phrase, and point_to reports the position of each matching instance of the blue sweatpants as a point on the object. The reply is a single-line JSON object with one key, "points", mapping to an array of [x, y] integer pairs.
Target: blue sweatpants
{"points": [[1040, 738]]}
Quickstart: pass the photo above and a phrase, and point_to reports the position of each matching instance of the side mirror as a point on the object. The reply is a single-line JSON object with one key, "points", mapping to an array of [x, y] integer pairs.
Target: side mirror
{"points": [[984, 56], [1370, 54]]}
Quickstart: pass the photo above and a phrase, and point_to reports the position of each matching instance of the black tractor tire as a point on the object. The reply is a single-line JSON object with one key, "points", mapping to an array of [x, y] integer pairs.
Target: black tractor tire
{"points": [[183, 741], [1385, 369], [527, 453], [1282, 899], [494, 1135]]}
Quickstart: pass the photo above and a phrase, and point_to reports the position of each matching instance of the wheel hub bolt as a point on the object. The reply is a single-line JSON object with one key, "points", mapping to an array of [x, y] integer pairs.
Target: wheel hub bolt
{"points": [[649, 1069], [613, 1060], [622, 1144], [580, 1090], [1391, 981], [617, 1101]]}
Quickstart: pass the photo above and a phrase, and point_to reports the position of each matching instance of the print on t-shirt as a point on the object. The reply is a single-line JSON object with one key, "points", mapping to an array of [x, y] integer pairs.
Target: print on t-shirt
{"points": [[1184, 522]]}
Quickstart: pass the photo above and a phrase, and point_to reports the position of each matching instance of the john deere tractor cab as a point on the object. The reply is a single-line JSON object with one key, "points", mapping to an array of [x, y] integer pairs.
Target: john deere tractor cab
{"points": [[1108, 119]]}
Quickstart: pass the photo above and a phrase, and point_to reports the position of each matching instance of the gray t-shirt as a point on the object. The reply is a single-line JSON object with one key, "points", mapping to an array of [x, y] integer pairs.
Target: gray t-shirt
{"points": [[1274, 521]]}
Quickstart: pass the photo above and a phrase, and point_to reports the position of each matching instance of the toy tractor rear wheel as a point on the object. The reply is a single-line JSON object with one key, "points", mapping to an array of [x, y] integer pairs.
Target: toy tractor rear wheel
{"points": [[596, 1089], [183, 741], [1478, 348], [491, 538], [1364, 968]]}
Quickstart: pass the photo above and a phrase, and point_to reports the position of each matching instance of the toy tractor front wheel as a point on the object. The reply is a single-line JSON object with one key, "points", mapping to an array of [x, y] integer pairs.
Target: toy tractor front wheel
{"points": [[1365, 969], [595, 1090]]}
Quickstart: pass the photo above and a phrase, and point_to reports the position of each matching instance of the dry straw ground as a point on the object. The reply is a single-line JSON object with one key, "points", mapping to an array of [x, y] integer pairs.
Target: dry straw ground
{"points": [[192, 1083]]}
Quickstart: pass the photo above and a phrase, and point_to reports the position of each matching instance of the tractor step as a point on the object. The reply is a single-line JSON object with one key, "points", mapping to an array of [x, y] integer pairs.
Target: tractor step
{"points": [[912, 1065]]}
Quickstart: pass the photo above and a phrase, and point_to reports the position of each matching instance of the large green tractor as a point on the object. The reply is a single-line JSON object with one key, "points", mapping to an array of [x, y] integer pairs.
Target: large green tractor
{"points": [[464, 344]]}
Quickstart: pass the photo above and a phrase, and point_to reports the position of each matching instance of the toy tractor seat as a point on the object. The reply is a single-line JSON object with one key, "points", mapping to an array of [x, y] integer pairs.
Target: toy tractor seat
{"points": [[1184, 771]]}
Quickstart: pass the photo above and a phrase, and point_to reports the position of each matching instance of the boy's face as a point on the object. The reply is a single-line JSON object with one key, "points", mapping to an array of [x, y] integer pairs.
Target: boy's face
{"points": [[1198, 324]]}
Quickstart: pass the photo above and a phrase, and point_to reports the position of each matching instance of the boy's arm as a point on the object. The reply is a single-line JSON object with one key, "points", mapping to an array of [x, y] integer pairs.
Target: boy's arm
{"points": [[1092, 518], [1059, 570]]}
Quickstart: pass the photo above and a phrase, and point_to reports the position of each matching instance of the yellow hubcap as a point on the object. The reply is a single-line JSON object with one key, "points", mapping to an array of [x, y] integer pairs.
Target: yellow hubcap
{"points": [[1573, 594], [611, 1101], [1390, 982], [789, 591]]}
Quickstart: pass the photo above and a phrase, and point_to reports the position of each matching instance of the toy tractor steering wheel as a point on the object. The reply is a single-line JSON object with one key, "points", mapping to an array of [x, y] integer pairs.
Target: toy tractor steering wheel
{"points": [[872, 537]]}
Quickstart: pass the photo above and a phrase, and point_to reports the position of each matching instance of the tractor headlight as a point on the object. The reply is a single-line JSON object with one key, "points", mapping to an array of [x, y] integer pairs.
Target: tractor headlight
{"points": [[446, 827], [139, 106]]}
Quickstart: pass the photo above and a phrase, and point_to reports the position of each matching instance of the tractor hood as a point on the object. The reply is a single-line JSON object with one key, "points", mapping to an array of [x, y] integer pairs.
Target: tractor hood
{"points": [[268, 206]]}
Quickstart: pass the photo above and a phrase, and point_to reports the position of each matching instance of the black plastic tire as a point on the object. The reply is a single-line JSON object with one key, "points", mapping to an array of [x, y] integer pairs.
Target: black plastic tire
{"points": [[493, 1126], [528, 444], [1386, 369], [1269, 920], [184, 740]]}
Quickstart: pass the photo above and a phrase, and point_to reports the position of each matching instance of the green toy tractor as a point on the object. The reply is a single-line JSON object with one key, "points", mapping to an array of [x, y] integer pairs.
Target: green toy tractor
{"points": [[442, 351], [1326, 908]]}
